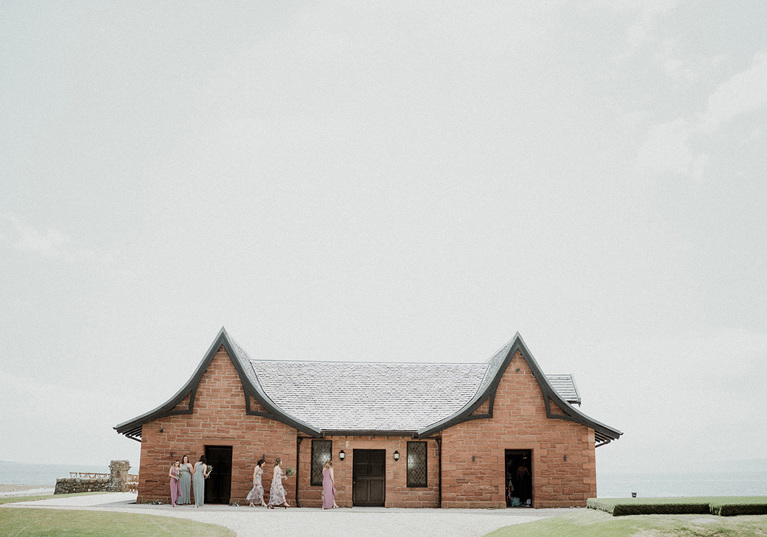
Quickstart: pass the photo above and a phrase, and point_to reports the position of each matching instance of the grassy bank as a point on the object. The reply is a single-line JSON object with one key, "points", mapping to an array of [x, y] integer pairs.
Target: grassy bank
{"points": [[50, 522], [591, 523], [719, 505], [16, 499]]}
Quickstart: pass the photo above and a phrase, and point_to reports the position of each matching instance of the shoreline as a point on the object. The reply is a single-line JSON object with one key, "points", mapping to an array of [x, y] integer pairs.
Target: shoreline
{"points": [[24, 490]]}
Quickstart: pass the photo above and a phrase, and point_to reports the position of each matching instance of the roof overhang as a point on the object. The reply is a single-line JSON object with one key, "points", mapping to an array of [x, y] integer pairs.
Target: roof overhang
{"points": [[133, 428]]}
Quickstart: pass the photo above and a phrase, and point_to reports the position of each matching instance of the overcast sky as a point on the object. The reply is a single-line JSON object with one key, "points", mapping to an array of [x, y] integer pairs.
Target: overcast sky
{"points": [[394, 182]]}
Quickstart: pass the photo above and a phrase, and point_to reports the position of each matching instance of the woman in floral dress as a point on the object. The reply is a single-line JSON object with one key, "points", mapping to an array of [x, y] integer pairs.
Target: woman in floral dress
{"points": [[256, 494], [277, 491]]}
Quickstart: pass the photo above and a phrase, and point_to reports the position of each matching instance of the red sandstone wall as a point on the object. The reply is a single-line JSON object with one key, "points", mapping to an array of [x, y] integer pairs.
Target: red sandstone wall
{"points": [[519, 422], [398, 494], [218, 419]]}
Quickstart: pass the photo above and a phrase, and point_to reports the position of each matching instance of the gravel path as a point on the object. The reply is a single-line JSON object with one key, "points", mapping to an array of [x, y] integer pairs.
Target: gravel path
{"points": [[371, 522]]}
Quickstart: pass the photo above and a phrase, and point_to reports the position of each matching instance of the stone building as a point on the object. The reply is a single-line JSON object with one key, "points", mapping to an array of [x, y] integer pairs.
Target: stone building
{"points": [[482, 435]]}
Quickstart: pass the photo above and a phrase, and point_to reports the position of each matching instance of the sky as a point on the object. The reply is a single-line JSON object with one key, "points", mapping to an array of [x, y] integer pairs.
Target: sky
{"points": [[393, 181]]}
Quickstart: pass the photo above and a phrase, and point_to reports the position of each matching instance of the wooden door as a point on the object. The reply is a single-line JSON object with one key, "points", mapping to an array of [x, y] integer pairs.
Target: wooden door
{"points": [[369, 477], [218, 487]]}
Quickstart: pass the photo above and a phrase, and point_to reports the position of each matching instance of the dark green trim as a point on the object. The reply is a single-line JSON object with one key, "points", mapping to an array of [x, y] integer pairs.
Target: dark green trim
{"points": [[132, 427], [367, 432], [605, 432]]}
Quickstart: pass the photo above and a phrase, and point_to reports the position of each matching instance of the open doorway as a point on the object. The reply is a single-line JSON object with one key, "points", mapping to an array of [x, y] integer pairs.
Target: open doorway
{"points": [[218, 487], [519, 478]]}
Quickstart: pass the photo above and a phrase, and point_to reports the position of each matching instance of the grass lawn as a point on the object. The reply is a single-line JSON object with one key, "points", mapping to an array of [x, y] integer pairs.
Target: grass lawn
{"points": [[16, 499], [54, 522], [591, 523]]}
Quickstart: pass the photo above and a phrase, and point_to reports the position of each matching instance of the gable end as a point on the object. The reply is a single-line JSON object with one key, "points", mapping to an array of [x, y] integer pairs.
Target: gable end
{"points": [[132, 428], [496, 370]]}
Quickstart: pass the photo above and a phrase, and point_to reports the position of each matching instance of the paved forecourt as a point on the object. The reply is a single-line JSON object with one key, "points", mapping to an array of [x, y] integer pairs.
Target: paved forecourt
{"points": [[368, 521]]}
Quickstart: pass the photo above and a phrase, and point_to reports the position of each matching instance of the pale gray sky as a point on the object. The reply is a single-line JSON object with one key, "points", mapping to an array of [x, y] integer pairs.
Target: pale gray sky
{"points": [[393, 182]]}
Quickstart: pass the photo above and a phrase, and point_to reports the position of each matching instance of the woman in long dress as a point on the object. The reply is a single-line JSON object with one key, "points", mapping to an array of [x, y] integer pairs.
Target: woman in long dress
{"points": [[186, 481], [200, 473], [277, 491], [256, 494], [328, 486], [175, 484]]}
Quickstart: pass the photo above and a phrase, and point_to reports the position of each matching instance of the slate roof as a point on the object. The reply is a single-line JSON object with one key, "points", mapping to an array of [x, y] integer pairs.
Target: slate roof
{"points": [[359, 396], [417, 399], [565, 386]]}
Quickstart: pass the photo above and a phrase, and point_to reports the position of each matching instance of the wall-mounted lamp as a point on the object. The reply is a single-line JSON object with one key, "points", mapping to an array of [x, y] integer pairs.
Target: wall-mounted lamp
{"points": [[160, 428], [473, 458], [396, 455], [171, 454], [565, 457], [341, 455]]}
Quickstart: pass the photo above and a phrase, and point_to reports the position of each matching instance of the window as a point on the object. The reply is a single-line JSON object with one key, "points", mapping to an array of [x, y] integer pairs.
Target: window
{"points": [[322, 452], [416, 464]]}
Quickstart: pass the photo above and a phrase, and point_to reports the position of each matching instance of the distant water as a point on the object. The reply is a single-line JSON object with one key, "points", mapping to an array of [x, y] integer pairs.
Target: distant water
{"points": [[17, 473], [609, 485], [647, 485]]}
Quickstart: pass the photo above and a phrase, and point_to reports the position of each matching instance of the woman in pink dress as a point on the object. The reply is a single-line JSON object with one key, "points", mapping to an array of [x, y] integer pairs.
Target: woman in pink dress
{"points": [[175, 482], [328, 487]]}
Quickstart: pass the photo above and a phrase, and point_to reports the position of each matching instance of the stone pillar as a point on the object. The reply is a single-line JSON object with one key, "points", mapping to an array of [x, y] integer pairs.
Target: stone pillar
{"points": [[118, 475]]}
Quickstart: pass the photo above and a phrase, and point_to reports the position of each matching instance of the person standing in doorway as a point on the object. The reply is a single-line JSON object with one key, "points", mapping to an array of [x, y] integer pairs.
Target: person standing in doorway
{"points": [[200, 474], [328, 487], [524, 482]]}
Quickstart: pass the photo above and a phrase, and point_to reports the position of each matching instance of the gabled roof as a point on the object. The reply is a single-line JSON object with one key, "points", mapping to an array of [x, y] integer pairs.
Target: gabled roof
{"points": [[250, 384], [496, 368], [355, 398]]}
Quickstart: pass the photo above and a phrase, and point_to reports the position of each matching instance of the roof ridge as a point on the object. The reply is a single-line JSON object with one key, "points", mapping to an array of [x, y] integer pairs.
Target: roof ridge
{"points": [[358, 362]]}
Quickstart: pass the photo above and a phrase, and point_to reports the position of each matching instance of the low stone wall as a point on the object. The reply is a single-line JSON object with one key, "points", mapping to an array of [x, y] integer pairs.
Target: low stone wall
{"points": [[116, 482], [70, 485]]}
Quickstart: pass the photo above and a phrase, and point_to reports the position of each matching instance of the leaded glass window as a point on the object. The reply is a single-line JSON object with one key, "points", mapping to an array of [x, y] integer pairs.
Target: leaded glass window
{"points": [[416, 464], [322, 451]]}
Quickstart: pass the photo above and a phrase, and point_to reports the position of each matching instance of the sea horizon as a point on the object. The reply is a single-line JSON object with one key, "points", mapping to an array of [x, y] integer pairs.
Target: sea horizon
{"points": [[681, 484], [609, 484], [45, 475]]}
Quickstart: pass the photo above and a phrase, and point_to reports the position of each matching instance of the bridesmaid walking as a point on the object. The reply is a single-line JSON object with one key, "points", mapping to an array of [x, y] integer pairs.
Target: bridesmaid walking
{"points": [[328, 487], [256, 494], [175, 484], [199, 475], [186, 481], [277, 491]]}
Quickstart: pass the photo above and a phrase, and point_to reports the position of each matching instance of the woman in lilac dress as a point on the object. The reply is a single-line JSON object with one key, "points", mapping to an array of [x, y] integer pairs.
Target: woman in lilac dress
{"points": [[256, 494], [277, 491], [328, 487], [175, 482]]}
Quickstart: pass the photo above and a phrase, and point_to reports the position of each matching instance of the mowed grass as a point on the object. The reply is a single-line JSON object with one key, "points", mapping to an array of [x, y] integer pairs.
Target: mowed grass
{"points": [[24, 522], [16, 499], [591, 523]]}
